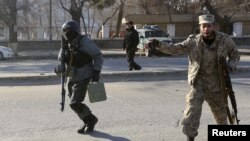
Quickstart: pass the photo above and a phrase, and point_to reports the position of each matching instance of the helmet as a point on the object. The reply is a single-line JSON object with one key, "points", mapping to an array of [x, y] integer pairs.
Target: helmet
{"points": [[73, 30], [73, 25]]}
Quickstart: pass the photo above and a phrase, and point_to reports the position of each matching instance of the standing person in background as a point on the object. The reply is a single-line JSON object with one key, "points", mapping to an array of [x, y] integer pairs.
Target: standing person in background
{"points": [[84, 63], [205, 51], [131, 40]]}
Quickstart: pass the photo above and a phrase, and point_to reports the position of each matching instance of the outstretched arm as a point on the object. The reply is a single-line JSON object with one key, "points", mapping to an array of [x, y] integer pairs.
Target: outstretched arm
{"points": [[178, 48]]}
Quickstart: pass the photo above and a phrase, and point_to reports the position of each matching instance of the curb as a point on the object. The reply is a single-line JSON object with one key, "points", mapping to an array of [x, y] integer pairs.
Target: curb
{"points": [[112, 75], [107, 55], [55, 56], [103, 75]]}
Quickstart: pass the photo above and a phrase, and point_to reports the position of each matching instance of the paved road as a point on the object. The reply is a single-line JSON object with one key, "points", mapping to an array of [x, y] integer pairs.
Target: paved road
{"points": [[144, 109], [141, 110]]}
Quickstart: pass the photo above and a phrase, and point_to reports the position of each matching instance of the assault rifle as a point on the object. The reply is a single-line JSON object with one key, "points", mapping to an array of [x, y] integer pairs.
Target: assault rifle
{"points": [[227, 86], [63, 70]]}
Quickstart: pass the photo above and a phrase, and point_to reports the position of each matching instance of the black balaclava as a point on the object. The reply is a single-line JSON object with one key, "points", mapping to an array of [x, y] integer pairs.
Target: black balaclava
{"points": [[70, 35]]}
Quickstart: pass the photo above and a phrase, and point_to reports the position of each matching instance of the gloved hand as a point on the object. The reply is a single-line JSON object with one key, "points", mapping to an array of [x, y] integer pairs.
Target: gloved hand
{"points": [[58, 70], [96, 76], [231, 68]]}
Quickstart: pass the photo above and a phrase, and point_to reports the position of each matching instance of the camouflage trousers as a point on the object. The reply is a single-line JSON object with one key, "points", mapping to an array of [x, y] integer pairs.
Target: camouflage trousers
{"points": [[192, 114]]}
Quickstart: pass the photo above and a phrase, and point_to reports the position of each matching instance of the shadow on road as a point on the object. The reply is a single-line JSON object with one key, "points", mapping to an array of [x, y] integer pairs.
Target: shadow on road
{"points": [[101, 135]]}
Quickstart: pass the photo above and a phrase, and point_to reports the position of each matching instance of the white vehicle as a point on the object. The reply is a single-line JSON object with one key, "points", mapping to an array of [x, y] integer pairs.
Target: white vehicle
{"points": [[154, 27], [146, 35], [6, 53]]}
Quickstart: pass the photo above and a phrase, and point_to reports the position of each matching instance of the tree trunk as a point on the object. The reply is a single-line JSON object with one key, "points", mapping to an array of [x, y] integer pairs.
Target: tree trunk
{"points": [[13, 26], [224, 22], [119, 20], [76, 15], [13, 32], [84, 25], [75, 11]]}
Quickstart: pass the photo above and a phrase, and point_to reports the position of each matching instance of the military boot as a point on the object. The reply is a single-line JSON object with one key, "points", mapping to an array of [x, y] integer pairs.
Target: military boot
{"points": [[82, 130], [137, 67], [90, 121], [89, 124], [190, 138]]}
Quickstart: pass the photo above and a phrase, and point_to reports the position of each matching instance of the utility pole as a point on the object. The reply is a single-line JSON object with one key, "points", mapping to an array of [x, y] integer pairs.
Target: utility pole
{"points": [[50, 26]]}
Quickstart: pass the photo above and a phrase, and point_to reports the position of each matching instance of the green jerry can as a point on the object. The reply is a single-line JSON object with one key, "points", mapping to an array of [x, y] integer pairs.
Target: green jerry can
{"points": [[96, 92]]}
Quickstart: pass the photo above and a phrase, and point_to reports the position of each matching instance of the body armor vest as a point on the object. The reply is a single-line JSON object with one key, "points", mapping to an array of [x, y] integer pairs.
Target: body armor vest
{"points": [[80, 58]]}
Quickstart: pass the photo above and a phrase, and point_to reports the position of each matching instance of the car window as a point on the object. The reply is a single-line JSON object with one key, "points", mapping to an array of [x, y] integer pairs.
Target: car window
{"points": [[156, 33]]}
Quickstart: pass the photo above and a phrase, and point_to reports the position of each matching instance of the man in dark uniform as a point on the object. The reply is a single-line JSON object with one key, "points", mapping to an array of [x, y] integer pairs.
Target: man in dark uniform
{"points": [[131, 40], [84, 63]]}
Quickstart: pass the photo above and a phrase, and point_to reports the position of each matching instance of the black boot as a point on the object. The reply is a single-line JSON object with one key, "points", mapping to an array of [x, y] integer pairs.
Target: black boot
{"points": [[136, 67], [90, 121], [190, 138], [82, 130], [89, 124]]}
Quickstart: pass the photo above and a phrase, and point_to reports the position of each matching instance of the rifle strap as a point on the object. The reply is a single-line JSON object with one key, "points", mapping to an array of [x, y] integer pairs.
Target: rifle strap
{"points": [[70, 62], [77, 42]]}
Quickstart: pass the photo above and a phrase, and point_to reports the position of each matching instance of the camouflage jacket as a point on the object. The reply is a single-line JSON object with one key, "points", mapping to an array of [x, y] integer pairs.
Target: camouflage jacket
{"points": [[193, 47]]}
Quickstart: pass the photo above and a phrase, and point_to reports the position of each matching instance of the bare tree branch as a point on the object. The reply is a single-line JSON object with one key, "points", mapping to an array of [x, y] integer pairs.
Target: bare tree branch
{"points": [[106, 20], [63, 7]]}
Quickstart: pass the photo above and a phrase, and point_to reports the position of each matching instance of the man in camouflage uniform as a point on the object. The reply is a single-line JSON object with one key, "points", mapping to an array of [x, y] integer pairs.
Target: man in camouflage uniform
{"points": [[204, 50]]}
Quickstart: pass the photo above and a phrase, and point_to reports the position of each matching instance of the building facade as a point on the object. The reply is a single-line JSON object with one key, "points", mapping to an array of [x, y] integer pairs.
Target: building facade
{"points": [[182, 25]]}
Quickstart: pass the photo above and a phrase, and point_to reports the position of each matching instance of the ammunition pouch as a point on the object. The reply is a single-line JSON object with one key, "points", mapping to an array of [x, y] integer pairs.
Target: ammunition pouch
{"points": [[79, 58]]}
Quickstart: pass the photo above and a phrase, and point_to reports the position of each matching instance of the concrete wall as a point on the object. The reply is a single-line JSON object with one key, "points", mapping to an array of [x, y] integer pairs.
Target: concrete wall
{"points": [[241, 41], [183, 29], [103, 44], [246, 28], [55, 45]]}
